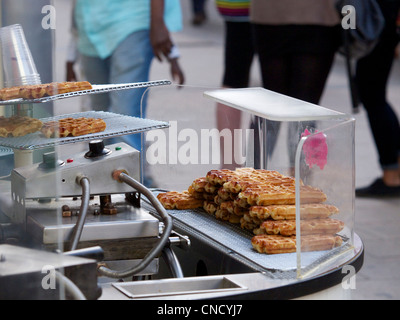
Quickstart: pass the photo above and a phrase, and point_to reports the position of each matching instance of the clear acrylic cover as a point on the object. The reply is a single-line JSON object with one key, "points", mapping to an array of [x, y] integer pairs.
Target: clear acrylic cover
{"points": [[311, 144]]}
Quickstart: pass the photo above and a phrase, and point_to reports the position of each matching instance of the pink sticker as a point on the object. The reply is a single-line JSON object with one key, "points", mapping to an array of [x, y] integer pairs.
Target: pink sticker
{"points": [[315, 149]]}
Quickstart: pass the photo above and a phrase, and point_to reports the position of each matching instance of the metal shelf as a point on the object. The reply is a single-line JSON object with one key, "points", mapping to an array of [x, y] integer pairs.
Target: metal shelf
{"points": [[96, 89], [117, 125]]}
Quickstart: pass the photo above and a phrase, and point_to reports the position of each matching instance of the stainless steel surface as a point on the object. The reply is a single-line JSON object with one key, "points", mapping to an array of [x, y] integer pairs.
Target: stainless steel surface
{"points": [[36, 181], [96, 89], [19, 260], [26, 274], [117, 125], [46, 225], [173, 287], [39, 182], [250, 283], [150, 269]]}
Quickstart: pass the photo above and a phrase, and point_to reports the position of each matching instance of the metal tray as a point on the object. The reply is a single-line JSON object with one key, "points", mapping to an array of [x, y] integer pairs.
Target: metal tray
{"points": [[234, 241], [117, 125], [96, 90], [174, 287]]}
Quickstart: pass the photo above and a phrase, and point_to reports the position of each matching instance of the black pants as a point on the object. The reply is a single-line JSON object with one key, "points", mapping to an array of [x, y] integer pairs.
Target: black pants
{"points": [[198, 6], [372, 76], [238, 55], [295, 61]]}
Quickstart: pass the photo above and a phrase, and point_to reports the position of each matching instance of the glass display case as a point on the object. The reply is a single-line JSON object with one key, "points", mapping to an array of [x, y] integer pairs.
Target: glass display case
{"points": [[315, 146], [310, 151]]}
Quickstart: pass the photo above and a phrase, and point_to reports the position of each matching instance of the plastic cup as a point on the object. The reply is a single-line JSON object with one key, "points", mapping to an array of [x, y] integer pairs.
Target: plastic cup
{"points": [[18, 64]]}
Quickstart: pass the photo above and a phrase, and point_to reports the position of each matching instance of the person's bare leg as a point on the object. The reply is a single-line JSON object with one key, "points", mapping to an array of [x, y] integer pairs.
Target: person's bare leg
{"points": [[228, 118], [391, 178]]}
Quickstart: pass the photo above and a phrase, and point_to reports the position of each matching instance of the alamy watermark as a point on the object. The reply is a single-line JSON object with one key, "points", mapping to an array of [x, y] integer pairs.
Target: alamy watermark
{"points": [[49, 280], [349, 20], [349, 280], [49, 20], [188, 146]]}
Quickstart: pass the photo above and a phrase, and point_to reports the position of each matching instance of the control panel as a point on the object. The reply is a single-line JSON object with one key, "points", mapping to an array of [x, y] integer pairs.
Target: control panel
{"points": [[54, 178]]}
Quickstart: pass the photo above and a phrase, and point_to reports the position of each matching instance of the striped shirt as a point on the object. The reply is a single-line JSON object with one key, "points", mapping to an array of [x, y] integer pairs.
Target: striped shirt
{"points": [[234, 10]]}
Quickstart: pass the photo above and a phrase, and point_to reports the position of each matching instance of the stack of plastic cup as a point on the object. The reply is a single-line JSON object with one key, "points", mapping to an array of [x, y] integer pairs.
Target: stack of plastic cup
{"points": [[18, 64]]}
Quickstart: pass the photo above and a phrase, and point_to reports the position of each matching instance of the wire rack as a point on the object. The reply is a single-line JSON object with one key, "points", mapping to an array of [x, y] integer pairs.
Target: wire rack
{"points": [[96, 89], [117, 125]]}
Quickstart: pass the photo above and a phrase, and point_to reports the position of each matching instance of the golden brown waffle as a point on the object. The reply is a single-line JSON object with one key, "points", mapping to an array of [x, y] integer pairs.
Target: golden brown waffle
{"points": [[55, 88], [249, 223], [228, 206], [219, 177], [210, 207], [226, 195], [254, 177], [42, 90], [308, 227], [73, 127], [262, 202], [18, 126], [224, 214], [218, 200], [264, 195], [288, 212], [202, 185], [32, 92], [10, 93], [179, 200], [274, 244], [195, 194], [201, 195]]}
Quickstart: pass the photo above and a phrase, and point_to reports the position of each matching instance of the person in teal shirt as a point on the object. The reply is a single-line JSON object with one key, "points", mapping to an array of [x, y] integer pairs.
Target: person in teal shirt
{"points": [[117, 41]]}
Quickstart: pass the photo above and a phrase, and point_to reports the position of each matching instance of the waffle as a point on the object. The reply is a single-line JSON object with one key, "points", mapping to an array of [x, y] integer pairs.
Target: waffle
{"points": [[262, 202], [263, 195], [219, 177], [42, 90], [202, 185], [32, 92], [307, 227], [10, 93], [228, 206], [210, 207], [18, 126], [225, 195], [195, 194], [288, 212], [224, 214], [72, 127], [250, 178], [179, 200], [274, 244], [249, 223]]}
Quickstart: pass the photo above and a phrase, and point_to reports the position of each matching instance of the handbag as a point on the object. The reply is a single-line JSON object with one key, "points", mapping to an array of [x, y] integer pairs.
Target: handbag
{"points": [[359, 40]]}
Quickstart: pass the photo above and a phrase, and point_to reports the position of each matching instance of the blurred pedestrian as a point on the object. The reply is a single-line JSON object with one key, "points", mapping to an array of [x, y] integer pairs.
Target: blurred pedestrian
{"points": [[238, 57], [117, 41], [372, 76], [199, 12], [296, 42]]}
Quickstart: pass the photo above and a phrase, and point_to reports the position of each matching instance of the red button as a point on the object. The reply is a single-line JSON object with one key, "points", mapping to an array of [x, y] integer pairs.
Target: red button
{"points": [[70, 160]]}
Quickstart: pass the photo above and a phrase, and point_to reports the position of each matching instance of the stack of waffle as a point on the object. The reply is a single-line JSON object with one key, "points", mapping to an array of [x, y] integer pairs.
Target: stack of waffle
{"points": [[39, 91], [263, 202]]}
